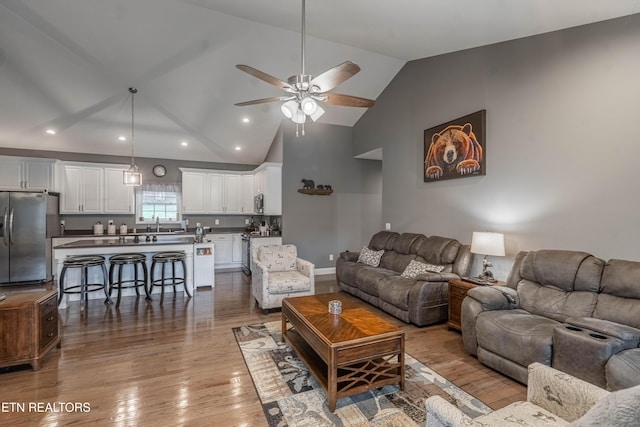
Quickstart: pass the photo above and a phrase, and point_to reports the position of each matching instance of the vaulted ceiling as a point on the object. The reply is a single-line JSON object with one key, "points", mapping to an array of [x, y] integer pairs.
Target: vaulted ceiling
{"points": [[67, 64]]}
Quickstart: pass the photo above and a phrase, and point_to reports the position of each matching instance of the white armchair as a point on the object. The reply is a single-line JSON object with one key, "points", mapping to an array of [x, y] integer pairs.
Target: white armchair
{"points": [[279, 274], [554, 398]]}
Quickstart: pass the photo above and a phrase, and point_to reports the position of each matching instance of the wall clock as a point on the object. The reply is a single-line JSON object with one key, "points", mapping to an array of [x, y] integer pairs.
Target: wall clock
{"points": [[159, 170]]}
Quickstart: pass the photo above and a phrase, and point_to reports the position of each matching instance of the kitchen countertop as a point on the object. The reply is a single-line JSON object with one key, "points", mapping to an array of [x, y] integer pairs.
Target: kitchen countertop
{"points": [[89, 233], [106, 243]]}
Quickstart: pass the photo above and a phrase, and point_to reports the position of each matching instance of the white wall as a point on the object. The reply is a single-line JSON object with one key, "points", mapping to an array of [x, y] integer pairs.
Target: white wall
{"points": [[562, 142]]}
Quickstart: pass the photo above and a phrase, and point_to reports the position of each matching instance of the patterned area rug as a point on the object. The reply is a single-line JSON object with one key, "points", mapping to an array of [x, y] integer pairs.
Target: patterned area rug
{"points": [[291, 396]]}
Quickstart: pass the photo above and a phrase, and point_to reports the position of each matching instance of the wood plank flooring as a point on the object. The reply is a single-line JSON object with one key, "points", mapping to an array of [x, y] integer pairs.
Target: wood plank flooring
{"points": [[179, 364]]}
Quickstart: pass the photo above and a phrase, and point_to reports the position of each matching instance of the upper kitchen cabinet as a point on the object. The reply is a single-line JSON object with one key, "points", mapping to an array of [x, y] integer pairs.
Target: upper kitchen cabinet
{"points": [[268, 181], [22, 173], [194, 185], [247, 194], [82, 189], [118, 197], [211, 192]]}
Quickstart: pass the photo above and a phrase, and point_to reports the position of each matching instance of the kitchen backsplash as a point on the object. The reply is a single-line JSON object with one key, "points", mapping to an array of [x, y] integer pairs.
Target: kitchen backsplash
{"points": [[86, 222]]}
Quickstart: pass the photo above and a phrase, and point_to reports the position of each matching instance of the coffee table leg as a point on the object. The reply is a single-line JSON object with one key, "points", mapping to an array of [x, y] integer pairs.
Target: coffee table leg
{"points": [[284, 326], [332, 386]]}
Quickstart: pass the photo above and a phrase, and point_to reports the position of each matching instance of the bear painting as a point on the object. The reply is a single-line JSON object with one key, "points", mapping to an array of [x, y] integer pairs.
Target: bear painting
{"points": [[454, 150]]}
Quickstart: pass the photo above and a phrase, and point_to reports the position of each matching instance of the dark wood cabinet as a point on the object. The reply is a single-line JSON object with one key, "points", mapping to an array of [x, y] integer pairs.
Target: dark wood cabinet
{"points": [[28, 325], [458, 289]]}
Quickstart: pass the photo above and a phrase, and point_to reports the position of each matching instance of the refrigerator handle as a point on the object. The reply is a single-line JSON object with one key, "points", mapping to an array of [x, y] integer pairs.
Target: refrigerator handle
{"points": [[11, 227], [4, 226]]}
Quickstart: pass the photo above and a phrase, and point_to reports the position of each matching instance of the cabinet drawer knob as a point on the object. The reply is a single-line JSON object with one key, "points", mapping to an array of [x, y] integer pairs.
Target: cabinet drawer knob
{"points": [[49, 319]]}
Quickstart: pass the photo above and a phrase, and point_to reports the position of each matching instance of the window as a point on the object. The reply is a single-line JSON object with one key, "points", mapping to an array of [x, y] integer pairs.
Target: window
{"points": [[158, 201]]}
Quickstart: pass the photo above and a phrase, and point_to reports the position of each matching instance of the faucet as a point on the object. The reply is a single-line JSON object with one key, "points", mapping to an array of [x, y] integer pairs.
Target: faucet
{"points": [[157, 224]]}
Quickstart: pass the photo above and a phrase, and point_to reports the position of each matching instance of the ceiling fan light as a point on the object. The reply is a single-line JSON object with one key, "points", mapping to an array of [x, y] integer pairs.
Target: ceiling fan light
{"points": [[299, 117], [317, 114], [308, 105], [289, 109]]}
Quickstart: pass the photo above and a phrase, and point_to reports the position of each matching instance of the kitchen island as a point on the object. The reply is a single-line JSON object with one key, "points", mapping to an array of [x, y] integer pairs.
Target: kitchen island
{"points": [[109, 247]]}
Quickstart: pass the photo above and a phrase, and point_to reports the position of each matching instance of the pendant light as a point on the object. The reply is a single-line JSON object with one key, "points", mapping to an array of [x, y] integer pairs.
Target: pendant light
{"points": [[132, 176]]}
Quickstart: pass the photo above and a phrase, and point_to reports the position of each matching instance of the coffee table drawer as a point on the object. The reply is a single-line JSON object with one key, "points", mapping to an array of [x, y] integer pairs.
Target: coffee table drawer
{"points": [[368, 350]]}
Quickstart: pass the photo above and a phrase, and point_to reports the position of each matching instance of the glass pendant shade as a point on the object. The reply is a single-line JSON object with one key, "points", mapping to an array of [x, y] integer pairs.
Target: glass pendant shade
{"points": [[308, 105], [289, 108], [132, 176]]}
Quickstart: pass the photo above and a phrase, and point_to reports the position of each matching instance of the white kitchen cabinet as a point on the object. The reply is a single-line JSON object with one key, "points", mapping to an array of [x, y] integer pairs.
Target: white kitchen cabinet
{"points": [[223, 249], [20, 173], [236, 248], [118, 197], [268, 181], [193, 192], [82, 191], [247, 195], [223, 193]]}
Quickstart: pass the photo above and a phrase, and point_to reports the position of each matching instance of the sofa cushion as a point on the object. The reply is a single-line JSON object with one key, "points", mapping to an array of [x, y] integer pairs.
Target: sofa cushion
{"points": [[416, 267], [395, 291], [395, 261], [438, 250], [404, 242], [566, 270], [552, 302], [370, 257], [623, 369], [383, 240], [619, 300], [346, 271], [278, 257], [368, 279], [286, 282], [517, 335]]}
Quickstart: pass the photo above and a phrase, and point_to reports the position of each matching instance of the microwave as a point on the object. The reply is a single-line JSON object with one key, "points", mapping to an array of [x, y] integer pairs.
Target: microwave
{"points": [[260, 203]]}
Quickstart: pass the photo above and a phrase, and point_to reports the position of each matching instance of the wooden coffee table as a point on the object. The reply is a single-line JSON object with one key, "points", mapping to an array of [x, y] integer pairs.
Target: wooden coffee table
{"points": [[347, 353]]}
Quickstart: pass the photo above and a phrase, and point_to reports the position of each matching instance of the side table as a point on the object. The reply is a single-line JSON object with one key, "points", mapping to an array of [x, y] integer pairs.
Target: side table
{"points": [[28, 324], [458, 289]]}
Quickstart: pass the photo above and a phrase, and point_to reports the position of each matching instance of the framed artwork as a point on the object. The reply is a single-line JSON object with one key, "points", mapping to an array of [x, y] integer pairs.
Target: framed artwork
{"points": [[455, 149]]}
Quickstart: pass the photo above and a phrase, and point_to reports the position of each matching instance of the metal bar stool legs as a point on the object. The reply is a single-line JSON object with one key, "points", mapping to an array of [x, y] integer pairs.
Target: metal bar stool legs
{"points": [[164, 258], [84, 263], [118, 262]]}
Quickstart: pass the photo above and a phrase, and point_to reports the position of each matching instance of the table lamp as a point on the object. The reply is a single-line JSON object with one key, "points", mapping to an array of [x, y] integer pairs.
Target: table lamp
{"points": [[486, 243]]}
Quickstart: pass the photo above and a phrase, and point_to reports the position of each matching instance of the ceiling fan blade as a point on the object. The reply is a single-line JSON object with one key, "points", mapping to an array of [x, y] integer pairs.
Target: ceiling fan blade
{"points": [[335, 76], [265, 77], [348, 100], [264, 100]]}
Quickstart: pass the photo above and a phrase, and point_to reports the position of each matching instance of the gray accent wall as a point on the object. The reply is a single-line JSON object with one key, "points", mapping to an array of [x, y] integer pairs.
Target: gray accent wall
{"points": [[321, 225], [561, 143]]}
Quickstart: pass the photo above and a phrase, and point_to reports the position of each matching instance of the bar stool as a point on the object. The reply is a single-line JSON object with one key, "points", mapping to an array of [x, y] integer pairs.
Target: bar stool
{"points": [[164, 258], [84, 263], [118, 264]]}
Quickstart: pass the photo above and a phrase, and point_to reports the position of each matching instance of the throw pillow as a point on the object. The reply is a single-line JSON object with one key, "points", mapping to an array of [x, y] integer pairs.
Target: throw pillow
{"points": [[416, 267], [370, 257]]}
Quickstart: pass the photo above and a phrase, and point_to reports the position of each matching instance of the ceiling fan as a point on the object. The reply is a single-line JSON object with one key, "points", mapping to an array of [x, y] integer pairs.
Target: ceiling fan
{"points": [[304, 90]]}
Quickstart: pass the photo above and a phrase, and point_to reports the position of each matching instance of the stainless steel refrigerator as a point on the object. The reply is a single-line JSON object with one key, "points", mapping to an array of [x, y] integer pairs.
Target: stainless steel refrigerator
{"points": [[27, 222]]}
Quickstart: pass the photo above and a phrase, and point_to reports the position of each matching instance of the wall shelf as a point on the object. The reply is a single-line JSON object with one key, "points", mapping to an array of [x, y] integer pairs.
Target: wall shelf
{"points": [[315, 191]]}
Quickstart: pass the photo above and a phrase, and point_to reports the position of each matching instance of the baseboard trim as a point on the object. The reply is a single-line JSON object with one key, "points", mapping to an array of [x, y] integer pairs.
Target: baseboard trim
{"points": [[321, 271]]}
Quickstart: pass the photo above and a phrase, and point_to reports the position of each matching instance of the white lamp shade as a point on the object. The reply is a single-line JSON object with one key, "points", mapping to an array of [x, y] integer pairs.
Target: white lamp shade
{"points": [[289, 108], [299, 117], [486, 243], [317, 114], [308, 105]]}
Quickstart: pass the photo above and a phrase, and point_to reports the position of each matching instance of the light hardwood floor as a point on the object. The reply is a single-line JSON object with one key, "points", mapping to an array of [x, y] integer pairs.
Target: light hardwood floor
{"points": [[179, 364]]}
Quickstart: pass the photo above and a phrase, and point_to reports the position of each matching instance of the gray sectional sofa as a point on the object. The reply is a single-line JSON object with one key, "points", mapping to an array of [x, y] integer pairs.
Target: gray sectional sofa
{"points": [[422, 300], [565, 309]]}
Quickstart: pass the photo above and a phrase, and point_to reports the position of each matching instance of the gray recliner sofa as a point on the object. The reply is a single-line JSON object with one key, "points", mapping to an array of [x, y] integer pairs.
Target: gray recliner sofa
{"points": [[422, 300], [565, 309]]}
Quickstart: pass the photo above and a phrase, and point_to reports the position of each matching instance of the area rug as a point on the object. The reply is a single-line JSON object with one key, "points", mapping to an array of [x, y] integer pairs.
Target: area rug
{"points": [[290, 395]]}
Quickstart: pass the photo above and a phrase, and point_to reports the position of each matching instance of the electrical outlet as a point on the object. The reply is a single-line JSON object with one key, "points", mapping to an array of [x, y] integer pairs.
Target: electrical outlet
{"points": [[246, 221], [62, 223], [387, 226], [330, 257], [217, 221]]}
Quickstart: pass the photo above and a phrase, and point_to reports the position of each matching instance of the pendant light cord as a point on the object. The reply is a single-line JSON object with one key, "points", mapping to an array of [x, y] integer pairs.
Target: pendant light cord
{"points": [[303, 37], [133, 91]]}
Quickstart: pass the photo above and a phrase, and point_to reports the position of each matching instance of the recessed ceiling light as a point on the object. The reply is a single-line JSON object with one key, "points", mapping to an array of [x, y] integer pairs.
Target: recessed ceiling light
{"points": [[122, 138], [51, 131], [184, 143], [238, 148], [245, 120]]}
